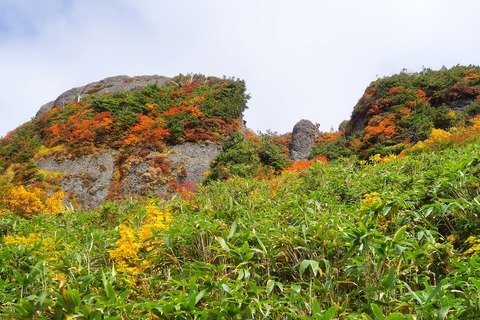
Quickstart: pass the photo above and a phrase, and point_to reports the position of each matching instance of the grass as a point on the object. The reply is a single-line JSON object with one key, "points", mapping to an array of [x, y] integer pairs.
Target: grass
{"points": [[347, 240]]}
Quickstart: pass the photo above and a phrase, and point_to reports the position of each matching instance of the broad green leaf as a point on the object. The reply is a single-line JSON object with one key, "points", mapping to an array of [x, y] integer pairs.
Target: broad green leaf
{"points": [[222, 243], [262, 245], [233, 227], [316, 306], [199, 296], [330, 313], [390, 279], [399, 249], [297, 288], [226, 288], [442, 313], [192, 300], [28, 307], [309, 263], [413, 293], [476, 282], [377, 311], [396, 316], [74, 296], [435, 291], [399, 234], [270, 286]]}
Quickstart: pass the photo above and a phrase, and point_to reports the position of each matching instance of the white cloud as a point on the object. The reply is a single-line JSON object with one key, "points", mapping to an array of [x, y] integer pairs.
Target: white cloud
{"points": [[300, 59]]}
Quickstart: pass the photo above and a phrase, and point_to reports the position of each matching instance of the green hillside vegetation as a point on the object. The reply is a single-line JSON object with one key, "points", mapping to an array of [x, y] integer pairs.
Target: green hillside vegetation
{"points": [[387, 228], [396, 112], [394, 239]]}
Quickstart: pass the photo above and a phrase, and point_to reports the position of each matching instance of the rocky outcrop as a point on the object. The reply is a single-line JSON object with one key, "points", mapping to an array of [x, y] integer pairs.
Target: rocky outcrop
{"points": [[87, 178], [90, 179], [303, 139], [106, 86], [192, 160]]}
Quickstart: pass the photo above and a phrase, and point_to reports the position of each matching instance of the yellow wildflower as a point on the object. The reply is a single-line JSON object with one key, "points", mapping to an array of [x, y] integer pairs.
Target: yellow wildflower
{"points": [[370, 199]]}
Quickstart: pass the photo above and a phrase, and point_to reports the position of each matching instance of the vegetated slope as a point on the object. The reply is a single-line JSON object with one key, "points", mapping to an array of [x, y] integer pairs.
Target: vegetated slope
{"points": [[397, 111], [113, 145], [393, 238]]}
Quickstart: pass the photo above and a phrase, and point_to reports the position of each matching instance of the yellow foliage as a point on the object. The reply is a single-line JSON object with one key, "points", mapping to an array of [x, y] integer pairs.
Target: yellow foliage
{"points": [[452, 114], [44, 152], [41, 245], [379, 159], [125, 254], [451, 238], [10, 172], [389, 158], [474, 243], [54, 203], [134, 241], [30, 201], [438, 135], [476, 125], [370, 199], [27, 242], [376, 158]]}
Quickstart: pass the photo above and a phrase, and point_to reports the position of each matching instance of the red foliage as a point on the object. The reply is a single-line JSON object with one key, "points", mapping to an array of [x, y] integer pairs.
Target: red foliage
{"points": [[194, 111], [370, 91], [330, 137], [421, 95], [395, 90], [472, 75], [374, 109], [148, 132], [302, 165], [377, 126]]}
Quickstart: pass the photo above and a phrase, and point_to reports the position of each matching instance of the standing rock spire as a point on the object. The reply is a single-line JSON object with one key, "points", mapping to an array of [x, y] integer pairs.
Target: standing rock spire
{"points": [[303, 139]]}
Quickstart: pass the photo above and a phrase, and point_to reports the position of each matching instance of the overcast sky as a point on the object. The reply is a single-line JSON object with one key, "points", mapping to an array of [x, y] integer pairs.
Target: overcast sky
{"points": [[301, 59]]}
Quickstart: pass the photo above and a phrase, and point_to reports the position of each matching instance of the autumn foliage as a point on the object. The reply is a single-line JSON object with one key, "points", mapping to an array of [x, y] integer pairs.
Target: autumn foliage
{"points": [[400, 110], [191, 108], [29, 201], [302, 165]]}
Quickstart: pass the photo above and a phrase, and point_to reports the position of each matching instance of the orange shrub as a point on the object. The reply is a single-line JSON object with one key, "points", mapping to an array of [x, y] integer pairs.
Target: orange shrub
{"points": [[147, 131], [302, 165]]}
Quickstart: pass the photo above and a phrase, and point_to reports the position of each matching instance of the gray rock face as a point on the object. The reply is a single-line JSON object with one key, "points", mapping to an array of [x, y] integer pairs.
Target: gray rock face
{"points": [[191, 160], [108, 85], [88, 177], [303, 139]]}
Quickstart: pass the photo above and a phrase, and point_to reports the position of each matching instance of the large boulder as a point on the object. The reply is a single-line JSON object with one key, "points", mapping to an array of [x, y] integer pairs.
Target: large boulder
{"points": [[303, 139]]}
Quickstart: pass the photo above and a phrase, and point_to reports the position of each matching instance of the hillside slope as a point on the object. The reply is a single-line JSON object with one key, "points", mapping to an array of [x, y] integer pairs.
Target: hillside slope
{"points": [[400, 110], [393, 239], [125, 136]]}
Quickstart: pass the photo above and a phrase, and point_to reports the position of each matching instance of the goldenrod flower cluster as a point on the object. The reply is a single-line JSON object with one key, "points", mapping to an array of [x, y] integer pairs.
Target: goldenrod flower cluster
{"points": [[437, 135], [30, 201], [474, 243], [377, 158], [41, 245], [129, 253], [370, 199]]}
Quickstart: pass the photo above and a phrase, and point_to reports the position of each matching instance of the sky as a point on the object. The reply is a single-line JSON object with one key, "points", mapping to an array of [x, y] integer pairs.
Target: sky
{"points": [[300, 59]]}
